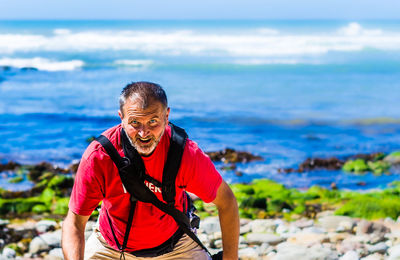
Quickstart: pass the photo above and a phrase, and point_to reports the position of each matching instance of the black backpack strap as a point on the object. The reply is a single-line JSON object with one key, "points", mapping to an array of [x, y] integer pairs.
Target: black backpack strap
{"points": [[173, 163], [137, 189], [121, 163]]}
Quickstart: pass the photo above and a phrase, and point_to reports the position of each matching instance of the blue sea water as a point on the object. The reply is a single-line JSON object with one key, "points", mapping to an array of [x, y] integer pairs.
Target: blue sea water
{"points": [[285, 90]]}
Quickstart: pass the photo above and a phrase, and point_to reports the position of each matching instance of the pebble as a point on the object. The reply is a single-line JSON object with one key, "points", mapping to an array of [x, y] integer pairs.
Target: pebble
{"points": [[327, 237]]}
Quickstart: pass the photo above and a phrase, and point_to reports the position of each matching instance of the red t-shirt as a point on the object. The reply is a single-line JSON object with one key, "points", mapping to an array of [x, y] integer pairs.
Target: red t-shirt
{"points": [[98, 179]]}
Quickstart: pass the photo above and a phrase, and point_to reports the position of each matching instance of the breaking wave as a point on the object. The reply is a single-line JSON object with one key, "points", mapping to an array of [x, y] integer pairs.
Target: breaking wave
{"points": [[42, 64], [259, 43]]}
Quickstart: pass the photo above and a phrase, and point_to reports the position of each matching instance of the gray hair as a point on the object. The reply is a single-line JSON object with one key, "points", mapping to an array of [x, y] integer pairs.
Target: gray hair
{"points": [[144, 93]]}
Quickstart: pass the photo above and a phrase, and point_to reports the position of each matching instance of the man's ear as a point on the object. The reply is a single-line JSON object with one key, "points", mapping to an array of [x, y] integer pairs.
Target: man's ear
{"points": [[167, 114], [120, 115]]}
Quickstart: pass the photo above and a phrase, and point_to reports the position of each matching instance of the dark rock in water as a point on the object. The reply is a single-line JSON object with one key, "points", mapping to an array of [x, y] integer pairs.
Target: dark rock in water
{"points": [[230, 167], [9, 166], [361, 183], [310, 164], [238, 173], [229, 155], [332, 163], [29, 69], [37, 170], [368, 157]]}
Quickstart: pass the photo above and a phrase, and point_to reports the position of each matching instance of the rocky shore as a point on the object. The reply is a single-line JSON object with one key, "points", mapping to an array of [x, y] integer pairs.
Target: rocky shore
{"points": [[276, 222], [326, 237]]}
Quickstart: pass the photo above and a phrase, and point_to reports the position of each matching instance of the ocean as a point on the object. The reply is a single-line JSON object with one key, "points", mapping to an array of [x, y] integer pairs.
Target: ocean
{"points": [[284, 90]]}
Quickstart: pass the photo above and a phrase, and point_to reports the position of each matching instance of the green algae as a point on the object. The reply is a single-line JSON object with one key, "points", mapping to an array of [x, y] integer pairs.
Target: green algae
{"points": [[271, 199], [359, 166], [16, 179]]}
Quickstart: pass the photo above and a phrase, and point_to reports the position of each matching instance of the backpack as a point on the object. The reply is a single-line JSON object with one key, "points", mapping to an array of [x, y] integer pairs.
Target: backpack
{"points": [[132, 173]]}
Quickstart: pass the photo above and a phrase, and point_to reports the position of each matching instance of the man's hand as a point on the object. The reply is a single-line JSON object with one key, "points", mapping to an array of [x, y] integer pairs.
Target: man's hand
{"points": [[73, 236], [229, 220]]}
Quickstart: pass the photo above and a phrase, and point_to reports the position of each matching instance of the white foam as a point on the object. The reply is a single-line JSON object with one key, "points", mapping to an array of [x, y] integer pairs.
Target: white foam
{"points": [[257, 44], [355, 29], [42, 64], [134, 63], [61, 31]]}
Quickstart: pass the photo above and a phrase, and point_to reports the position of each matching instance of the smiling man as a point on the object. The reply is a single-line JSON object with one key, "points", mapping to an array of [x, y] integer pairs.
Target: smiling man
{"points": [[145, 224]]}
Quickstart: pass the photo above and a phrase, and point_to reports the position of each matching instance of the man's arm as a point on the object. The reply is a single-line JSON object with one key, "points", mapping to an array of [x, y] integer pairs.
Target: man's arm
{"points": [[229, 220], [73, 236]]}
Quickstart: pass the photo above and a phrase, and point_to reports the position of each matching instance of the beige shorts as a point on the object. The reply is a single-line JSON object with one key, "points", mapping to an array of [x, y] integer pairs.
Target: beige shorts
{"points": [[97, 248]]}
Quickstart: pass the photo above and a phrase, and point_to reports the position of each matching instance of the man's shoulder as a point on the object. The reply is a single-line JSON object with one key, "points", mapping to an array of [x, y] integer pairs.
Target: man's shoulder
{"points": [[95, 148]]}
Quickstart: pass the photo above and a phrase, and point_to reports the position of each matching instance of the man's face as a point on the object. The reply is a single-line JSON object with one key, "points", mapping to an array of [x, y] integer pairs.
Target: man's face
{"points": [[144, 127]]}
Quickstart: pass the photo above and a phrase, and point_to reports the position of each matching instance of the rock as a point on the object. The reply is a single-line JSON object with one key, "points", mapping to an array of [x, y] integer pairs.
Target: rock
{"points": [[210, 225], [229, 155], [378, 248], [263, 226], [9, 253], [350, 255], [308, 239], [303, 223], [332, 222], [9, 166], [259, 238], [45, 242], [375, 256], [45, 225], [245, 229], [368, 227], [346, 226], [394, 253], [4, 222], [248, 253], [393, 158], [289, 251], [55, 254], [310, 164]]}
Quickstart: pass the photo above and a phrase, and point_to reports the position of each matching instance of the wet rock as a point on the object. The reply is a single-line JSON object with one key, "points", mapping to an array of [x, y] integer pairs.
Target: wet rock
{"points": [[368, 156], [311, 164], [229, 155], [9, 166]]}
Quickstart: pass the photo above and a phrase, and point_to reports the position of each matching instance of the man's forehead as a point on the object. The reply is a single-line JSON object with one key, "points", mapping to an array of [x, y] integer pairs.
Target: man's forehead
{"points": [[133, 108]]}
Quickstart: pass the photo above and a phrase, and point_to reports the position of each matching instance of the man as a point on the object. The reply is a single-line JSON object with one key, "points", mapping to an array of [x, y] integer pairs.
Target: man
{"points": [[144, 115]]}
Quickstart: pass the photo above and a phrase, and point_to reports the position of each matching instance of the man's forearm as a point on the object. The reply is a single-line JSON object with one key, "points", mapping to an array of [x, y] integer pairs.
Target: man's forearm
{"points": [[229, 220], [73, 238]]}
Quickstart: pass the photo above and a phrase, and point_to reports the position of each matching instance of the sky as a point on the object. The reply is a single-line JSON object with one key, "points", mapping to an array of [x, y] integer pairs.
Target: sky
{"points": [[205, 9]]}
